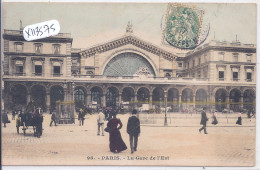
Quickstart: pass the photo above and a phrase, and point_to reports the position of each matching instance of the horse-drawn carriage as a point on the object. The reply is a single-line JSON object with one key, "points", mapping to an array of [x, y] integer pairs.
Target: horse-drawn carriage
{"points": [[30, 118]]}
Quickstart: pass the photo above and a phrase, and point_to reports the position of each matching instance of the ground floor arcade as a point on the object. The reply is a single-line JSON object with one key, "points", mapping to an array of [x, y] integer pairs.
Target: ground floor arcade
{"points": [[176, 98]]}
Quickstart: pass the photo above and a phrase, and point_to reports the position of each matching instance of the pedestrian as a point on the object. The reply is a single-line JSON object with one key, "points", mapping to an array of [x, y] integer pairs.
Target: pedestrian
{"points": [[116, 143], [215, 120], [38, 119], [81, 116], [239, 119], [133, 129], [249, 113], [53, 118], [5, 118], [100, 122], [106, 113], [83, 113], [203, 121], [13, 114]]}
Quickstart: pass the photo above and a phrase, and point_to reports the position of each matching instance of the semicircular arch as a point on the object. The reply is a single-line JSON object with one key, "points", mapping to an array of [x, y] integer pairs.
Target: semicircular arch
{"points": [[147, 61]]}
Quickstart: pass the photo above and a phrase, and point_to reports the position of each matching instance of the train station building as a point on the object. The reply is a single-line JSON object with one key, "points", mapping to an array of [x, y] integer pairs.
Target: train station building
{"points": [[127, 72]]}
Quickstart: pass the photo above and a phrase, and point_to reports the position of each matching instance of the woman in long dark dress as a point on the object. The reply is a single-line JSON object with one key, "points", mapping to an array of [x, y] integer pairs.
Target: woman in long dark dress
{"points": [[116, 143], [239, 119]]}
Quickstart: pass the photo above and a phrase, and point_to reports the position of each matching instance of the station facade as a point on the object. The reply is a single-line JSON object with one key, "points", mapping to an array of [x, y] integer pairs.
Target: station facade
{"points": [[127, 71]]}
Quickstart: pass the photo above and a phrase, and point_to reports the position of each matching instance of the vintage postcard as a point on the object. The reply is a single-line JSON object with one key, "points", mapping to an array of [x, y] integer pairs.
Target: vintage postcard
{"points": [[128, 84]]}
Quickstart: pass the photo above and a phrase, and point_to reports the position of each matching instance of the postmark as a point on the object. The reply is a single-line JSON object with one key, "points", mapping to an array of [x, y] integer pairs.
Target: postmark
{"points": [[184, 27]]}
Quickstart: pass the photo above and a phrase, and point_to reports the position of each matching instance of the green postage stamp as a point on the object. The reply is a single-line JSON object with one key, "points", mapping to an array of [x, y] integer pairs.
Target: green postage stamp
{"points": [[184, 27]]}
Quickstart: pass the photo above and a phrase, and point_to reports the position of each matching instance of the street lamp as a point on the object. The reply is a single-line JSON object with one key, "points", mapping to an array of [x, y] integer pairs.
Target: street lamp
{"points": [[165, 115], [73, 98]]}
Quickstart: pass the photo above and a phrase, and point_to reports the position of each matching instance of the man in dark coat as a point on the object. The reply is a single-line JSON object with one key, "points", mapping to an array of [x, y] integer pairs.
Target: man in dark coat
{"points": [[133, 129], [204, 120], [13, 114], [53, 118], [38, 119], [81, 118], [4, 118]]}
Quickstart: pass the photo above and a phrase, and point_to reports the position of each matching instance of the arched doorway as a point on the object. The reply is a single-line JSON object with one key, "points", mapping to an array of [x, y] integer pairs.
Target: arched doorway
{"points": [[187, 99], [143, 96], [249, 99], [127, 99], [220, 100], [38, 95], [158, 97], [96, 94], [112, 97], [234, 99], [128, 94], [173, 99], [56, 94], [201, 98], [79, 98], [19, 96]]}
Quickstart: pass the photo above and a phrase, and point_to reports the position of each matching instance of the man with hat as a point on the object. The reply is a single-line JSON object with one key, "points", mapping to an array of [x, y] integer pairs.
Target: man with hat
{"points": [[5, 118], [133, 129], [203, 121]]}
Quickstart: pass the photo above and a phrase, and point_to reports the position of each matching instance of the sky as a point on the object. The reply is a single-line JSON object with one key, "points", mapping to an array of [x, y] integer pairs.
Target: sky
{"points": [[96, 23]]}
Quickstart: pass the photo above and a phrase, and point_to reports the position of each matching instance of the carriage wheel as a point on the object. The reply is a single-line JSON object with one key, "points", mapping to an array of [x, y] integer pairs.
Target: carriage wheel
{"points": [[17, 127]]}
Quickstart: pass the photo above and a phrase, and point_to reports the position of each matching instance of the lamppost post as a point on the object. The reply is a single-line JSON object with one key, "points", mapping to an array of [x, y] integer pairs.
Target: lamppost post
{"points": [[165, 115], [73, 101]]}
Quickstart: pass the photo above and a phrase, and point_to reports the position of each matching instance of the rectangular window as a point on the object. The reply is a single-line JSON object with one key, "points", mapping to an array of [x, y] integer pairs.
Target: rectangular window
{"points": [[19, 70], [56, 69], [193, 63], [248, 58], [235, 76], [249, 76], [56, 48], [199, 61], [221, 75], [221, 56], [19, 47], [179, 64], [199, 75], [235, 58], [205, 73], [38, 48], [38, 70]]}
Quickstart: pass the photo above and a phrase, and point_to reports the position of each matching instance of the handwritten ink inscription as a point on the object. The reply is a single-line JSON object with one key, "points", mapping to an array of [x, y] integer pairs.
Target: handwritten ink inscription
{"points": [[41, 30]]}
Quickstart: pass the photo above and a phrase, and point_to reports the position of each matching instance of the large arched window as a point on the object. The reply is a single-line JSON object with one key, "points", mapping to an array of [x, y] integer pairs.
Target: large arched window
{"points": [[38, 95], [220, 100], [173, 99], [96, 94], [57, 94], [19, 94], [201, 98], [128, 64], [79, 97], [111, 97], [234, 98]]}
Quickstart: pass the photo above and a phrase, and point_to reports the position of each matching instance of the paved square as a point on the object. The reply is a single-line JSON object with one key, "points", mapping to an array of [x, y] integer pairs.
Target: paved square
{"points": [[178, 144]]}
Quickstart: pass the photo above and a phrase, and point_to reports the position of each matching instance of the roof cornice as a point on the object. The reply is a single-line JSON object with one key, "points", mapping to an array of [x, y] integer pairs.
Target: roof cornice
{"points": [[128, 40]]}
